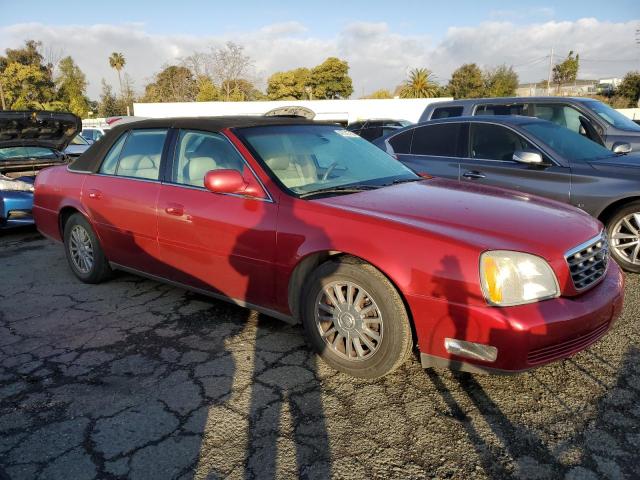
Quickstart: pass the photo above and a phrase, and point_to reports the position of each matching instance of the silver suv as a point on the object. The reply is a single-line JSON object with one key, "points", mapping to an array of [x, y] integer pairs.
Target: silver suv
{"points": [[586, 116]]}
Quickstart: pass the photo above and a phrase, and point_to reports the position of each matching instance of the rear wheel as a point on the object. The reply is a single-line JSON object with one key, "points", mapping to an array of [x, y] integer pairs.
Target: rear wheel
{"points": [[623, 231], [83, 250], [355, 319]]}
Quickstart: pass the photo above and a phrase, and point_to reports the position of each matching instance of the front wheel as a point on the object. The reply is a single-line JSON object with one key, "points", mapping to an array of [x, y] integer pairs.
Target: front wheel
{"points": [[355, 319], [623, 231], [83, 250]]}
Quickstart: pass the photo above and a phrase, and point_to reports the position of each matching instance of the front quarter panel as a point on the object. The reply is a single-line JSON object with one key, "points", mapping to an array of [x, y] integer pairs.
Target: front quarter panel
{"points": [[594, 187]]}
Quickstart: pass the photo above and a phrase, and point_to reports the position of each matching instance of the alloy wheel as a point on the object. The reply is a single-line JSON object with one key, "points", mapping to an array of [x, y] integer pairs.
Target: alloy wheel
{"points": [[349, 321], [81, 249], [625, 238]]}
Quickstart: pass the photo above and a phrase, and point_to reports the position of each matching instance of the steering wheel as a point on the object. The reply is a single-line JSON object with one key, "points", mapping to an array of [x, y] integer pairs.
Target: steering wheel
{"points": [[330, 169]]}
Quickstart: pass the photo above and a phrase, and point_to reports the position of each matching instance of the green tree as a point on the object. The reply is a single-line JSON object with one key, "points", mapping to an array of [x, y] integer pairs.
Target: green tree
{"points": [[240, 90], [567, 70], [420, 84], [500, 82], [629, 89], [466, 82], [289, 85], [382, 93], [331, 79], [207, 91], [25, 80], [108, 103], [72, 86], [172, 84], [117, 62]]}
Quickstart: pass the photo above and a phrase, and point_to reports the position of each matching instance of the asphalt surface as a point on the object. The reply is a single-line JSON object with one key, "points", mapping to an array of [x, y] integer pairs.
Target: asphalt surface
{"points": [[136, 379]]}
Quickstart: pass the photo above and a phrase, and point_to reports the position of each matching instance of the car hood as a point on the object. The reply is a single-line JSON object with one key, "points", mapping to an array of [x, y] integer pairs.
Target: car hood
{"points": [[38, 129], [484, 217]]}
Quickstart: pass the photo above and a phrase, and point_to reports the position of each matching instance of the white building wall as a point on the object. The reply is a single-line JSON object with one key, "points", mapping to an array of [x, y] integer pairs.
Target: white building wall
{"points": [[328, 110]]}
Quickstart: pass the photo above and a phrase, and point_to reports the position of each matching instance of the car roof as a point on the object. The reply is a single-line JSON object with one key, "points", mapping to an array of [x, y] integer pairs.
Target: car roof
{"points": [[90, 161], [506, 100], [212, 124]]}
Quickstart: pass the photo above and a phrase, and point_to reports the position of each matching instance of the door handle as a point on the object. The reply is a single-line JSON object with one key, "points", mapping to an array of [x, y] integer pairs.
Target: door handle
{"points": [[97, 194], [175, 209], [473, 174]]}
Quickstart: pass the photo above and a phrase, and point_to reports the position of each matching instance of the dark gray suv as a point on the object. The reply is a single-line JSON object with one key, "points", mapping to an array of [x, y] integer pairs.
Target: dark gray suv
{"points": [[532, 156], [588, 117]]}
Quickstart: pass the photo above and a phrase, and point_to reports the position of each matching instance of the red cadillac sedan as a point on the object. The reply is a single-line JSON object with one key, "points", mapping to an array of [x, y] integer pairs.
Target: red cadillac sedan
{"points": [[310, 223]]}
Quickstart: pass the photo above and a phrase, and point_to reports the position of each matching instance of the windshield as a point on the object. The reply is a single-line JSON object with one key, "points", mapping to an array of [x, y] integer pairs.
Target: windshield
{"points": [[310, 158], [567, 143], [79, 140], [613, 117], [13, 153]]}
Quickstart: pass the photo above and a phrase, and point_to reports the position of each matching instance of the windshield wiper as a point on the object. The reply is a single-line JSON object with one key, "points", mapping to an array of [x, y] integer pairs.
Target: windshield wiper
{"points": [[340, 189], [403, 180]]}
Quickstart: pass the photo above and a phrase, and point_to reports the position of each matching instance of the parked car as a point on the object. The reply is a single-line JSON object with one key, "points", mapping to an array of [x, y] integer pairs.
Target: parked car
{"points": [[309, 222], [583, 115], [376, 128], [29, 142], [93, 134], [77, 146], [532, 156]]}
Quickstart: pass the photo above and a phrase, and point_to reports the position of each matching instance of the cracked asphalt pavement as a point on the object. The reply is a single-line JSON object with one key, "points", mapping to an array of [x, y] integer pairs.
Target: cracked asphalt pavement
{"points": [[137, 379]]}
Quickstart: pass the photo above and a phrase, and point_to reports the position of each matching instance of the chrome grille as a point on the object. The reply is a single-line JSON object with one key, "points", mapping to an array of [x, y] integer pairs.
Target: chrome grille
{"points": [[588, 262]]}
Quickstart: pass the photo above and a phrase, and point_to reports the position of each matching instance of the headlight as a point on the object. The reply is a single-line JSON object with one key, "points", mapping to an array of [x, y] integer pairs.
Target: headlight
{"points": [[8, 184], [514, 278]]}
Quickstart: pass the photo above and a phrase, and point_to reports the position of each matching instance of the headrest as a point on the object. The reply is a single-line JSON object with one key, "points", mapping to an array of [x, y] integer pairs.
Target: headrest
{"points": [[278, 163]]}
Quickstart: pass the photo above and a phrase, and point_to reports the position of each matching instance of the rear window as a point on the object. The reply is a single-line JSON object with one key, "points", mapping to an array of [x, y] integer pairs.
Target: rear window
{"points": [[437, 140], [446, 112], [401, 143]]}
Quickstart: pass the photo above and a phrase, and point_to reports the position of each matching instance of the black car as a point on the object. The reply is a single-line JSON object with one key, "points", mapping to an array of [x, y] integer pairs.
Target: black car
{"points": [[376, 128], [583, 115], [532, 156]]}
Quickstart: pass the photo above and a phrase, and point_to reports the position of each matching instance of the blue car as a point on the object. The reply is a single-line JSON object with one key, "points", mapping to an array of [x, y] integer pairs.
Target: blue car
{"points": [[29, 142]]}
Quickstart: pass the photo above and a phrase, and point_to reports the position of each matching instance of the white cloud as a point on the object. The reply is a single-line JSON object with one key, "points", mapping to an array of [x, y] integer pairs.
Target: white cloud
{"points": [[379, 56]]}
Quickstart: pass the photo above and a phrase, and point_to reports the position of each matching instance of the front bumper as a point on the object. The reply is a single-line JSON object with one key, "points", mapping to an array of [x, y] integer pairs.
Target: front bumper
{"points": [[15, 208], [526, 336]]}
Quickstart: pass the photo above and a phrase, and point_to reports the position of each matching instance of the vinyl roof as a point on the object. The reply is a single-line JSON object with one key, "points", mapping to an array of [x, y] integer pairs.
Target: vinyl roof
{"points": [[90, 160]]}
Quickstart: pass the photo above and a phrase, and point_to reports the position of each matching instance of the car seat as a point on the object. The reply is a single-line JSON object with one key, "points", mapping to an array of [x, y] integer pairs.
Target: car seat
{"points": [[293, 170]]}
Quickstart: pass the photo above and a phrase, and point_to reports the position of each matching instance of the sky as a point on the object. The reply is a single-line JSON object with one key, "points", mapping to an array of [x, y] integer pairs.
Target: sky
{"points": [[381, 40]]}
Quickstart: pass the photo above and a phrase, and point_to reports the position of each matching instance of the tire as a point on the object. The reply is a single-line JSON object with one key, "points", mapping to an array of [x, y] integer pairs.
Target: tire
{"points": [[357, 352], [617, 226], [83, 251]]}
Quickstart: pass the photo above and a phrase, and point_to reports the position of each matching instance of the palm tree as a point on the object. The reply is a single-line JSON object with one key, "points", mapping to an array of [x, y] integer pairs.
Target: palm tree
{"points": [[420, 84], [117, 61]]}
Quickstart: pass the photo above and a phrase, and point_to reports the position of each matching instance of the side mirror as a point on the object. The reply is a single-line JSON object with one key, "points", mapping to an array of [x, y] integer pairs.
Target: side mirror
{"points": [[225, 181], [621, 148], [90, 141], [531, 157]]}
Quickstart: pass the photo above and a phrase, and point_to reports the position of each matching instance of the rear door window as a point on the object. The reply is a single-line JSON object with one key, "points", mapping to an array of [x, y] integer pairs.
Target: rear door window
{"points": [[141, 154], [446, 112], [437, 140]]}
